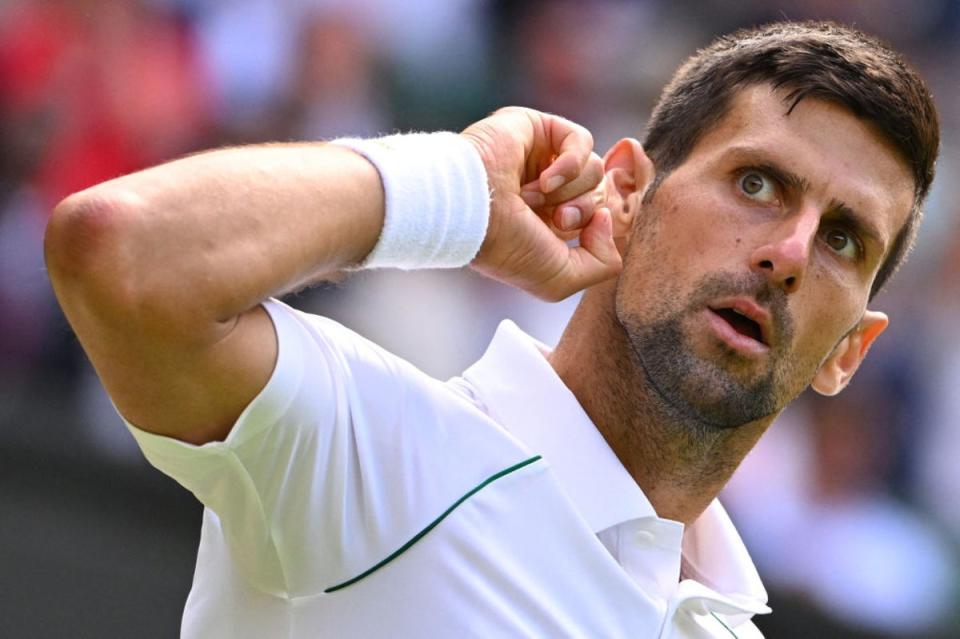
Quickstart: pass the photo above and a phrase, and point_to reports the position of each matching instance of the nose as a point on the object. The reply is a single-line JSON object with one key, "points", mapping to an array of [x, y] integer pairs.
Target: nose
{"points": [[784, 255]]}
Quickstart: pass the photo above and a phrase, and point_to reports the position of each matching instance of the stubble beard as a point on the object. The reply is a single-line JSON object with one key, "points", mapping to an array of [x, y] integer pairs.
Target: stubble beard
{"points": [[702, 395]]}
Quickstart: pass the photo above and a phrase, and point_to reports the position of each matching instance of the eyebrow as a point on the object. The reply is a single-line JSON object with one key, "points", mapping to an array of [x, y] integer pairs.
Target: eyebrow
{"points": [[791, 180], [837, 210], [759, 159], [862, 224]]}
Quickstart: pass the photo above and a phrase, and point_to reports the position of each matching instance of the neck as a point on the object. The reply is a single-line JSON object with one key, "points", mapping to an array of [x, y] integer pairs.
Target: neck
{"points": [[679, 464]]}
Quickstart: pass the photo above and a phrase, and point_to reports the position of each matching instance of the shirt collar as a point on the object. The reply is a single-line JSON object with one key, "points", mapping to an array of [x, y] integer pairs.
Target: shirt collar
{"points": [[518, 388], [714, 555]]}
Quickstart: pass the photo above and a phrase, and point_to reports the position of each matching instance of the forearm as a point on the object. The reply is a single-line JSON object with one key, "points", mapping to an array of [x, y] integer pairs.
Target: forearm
{"points": [[160, 273], [205, 238]]}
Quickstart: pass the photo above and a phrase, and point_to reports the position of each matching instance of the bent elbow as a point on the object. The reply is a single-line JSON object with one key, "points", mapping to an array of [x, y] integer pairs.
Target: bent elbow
{"points": [[84, 242]]}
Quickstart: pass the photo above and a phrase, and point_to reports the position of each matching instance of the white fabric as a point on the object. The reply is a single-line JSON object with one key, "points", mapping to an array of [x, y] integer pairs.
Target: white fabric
{"points": [[349, 452], [518, 388], [437, 204]]}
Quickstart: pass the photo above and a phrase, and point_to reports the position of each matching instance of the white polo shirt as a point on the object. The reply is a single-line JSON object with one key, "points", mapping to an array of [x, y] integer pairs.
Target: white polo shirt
{"points": [[358, 497]]}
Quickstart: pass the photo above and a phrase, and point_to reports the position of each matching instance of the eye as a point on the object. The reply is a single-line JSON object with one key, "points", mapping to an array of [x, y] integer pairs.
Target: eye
{"points": [[842, 242], [758, 186]]}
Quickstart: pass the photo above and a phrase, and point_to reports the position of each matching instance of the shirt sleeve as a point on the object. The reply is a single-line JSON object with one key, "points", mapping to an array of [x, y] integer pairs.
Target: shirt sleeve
{"points": [[345, 454]]}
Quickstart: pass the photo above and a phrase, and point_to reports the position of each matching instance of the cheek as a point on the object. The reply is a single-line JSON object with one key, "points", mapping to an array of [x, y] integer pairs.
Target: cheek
{"points": [[688, 229], [825, 322]]}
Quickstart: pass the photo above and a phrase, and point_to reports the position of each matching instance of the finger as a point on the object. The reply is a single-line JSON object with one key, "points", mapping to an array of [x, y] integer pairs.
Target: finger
{"points": [[587, 180], [571, 215], [585, 192], [567, 218], [572, 144], [533, 198], [548, 215], [577, 213], [595, 260]]}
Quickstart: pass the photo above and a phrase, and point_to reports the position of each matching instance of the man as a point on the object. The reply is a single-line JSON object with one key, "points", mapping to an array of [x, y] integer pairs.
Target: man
{"points": [[564, 493]]}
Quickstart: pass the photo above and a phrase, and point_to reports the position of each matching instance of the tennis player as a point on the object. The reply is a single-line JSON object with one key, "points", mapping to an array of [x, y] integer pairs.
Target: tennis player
{"points": [[728, 263]]}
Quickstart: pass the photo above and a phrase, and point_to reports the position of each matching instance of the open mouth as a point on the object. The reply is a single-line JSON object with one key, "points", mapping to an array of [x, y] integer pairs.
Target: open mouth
{"points": [[741, 323]]}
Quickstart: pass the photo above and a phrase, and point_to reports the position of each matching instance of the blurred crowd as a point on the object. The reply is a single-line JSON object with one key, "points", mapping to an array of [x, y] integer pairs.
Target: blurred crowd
{"points": [[850, 505]]}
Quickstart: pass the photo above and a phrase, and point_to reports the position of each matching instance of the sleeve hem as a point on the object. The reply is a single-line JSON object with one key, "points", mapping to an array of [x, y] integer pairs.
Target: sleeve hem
{"points": [[261, 413]]}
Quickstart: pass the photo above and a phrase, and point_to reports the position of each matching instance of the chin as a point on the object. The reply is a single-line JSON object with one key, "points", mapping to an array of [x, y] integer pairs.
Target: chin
{"points": [[717, 403], [695, 389]]}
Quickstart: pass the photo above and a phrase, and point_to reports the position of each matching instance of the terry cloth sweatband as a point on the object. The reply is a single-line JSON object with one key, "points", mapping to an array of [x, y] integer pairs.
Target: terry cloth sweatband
{"points": [[436, 199]]}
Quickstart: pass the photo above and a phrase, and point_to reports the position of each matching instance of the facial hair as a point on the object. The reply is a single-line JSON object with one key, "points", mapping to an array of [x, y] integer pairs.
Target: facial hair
{"points": [[707, 392]]}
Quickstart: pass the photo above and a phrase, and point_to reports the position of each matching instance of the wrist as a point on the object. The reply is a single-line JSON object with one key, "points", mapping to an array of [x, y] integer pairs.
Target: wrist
{"points": [[436, 199]]}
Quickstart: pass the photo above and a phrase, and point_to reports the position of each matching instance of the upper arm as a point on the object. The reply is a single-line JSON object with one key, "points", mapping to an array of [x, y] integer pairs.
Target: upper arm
{"points": [[175, 373], [193, 390]]}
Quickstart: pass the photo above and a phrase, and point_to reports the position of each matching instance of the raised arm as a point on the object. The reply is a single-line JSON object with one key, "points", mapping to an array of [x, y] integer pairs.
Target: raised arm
{"points": [[161, 272]]}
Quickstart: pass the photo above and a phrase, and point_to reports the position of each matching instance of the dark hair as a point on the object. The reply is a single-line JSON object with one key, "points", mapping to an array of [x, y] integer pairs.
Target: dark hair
{"points": [[822, 60]]}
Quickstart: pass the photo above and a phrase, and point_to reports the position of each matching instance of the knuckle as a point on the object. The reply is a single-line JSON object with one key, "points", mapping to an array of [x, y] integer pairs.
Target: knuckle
{"points": [[582, 134], [594, 166], [587, 136]]}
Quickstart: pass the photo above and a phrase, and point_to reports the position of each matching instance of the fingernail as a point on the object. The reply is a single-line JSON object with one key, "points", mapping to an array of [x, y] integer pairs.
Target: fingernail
{"points": [[555, 183], [569, 217]]}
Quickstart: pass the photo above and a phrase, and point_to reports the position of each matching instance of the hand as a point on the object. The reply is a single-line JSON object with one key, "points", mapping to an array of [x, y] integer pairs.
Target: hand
{"points": [[547, 188]]}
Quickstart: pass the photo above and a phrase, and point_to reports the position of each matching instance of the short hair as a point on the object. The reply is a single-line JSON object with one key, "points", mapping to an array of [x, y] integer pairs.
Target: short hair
{"points": [[823, 60]]}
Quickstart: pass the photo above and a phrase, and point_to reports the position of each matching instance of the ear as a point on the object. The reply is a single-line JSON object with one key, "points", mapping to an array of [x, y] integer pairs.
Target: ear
{"points": [[627, 173], [837, 371]]}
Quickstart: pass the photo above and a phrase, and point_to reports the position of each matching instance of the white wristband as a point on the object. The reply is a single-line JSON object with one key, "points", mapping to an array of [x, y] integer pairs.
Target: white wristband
{"points": [[436, 199]]}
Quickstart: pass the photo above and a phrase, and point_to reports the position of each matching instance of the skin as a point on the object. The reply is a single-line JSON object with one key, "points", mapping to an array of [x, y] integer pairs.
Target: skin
{"points": [[680, 405], [161, 272]]}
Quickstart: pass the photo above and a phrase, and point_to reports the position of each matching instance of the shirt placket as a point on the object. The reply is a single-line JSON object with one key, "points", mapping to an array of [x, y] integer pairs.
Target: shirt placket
{"points": [[650, 551]]}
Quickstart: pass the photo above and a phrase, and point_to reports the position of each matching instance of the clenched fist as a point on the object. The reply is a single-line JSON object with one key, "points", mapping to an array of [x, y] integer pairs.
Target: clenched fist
{"points": [[546, 188]]}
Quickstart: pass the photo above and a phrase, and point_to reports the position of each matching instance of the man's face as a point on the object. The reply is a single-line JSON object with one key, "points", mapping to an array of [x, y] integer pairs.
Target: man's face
{"points": [[754, 258]]}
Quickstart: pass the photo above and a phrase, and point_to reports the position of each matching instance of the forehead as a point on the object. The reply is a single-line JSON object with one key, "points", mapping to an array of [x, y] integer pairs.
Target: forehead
{"points": [[839, 156]]}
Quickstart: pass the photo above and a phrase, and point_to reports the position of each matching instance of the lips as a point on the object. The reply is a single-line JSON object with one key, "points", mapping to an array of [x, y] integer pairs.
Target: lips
{"points": [[745, 319], [741, 323]]}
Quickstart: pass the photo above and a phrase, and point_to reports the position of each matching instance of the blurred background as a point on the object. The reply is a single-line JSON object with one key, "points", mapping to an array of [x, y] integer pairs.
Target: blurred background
{"points": [[850, 506]]}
